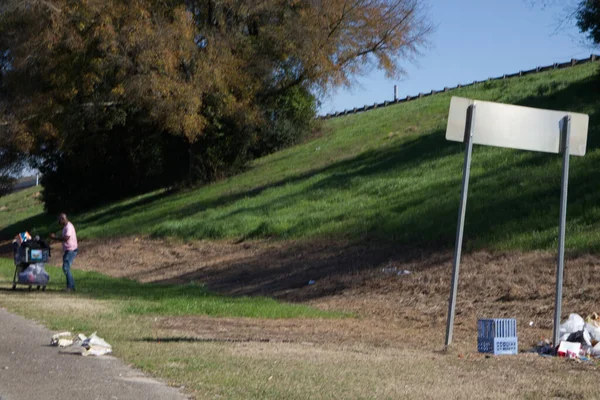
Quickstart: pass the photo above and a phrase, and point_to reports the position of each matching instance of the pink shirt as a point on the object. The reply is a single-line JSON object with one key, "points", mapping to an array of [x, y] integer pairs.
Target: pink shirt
{"points": [[71, 244]]}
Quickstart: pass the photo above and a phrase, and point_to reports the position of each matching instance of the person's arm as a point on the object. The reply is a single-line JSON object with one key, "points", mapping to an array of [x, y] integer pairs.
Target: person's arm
{"points": [[61, 239]]}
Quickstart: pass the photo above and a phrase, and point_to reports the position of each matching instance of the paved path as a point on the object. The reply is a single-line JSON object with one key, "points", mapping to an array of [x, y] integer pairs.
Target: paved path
{"points": [[31, 369]]}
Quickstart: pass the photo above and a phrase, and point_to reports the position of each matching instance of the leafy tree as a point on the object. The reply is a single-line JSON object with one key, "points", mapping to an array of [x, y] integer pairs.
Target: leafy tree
{"points": [[88, 87], [588, 19]]}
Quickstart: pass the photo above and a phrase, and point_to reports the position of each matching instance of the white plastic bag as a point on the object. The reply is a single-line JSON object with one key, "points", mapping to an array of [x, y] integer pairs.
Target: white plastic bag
{"points": [[87, 346], [596, 350], [593, 330], [575, 323], [34, 274], [96, 346]]}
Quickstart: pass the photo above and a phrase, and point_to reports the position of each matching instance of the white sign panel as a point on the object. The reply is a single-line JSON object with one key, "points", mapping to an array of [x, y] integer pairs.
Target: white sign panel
{"points": [[516, 127]]}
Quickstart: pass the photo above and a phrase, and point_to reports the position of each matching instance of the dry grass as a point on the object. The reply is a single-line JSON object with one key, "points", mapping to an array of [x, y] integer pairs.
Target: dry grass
{"points": [[391, 350], [315, 364], [349, 277]]}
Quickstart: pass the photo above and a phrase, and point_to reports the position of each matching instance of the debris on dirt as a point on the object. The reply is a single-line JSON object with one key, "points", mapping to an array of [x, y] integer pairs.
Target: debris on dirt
{"points": [[573, 324], [578, 340], [80, 344], [569, 350], [311, 282], [592, 325], [544, 347], [395, 271], [582, 337], [596, 350]]}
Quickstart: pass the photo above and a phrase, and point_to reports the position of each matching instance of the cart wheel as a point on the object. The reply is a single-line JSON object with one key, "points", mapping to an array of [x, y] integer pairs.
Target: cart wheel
{"points": [[30, 288], [14, 286], [43, 288], [38, 288]]}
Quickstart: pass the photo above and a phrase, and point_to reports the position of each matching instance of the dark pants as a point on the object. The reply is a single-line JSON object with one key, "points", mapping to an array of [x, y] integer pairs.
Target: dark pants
{"points": [[68, 258]]}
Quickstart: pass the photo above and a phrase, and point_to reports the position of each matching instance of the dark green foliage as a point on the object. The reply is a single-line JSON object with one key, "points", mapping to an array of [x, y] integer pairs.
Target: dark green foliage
{"points": [[289, 117], [588, 19], [108, 165], [6, 184]]}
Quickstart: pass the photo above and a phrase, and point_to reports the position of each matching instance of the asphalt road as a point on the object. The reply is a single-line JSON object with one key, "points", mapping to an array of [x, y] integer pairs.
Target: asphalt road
{"points": [[31, 369]]}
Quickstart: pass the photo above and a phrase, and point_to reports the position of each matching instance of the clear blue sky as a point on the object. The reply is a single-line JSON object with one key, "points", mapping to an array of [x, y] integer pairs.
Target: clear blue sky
{"points": [[474, 40]]}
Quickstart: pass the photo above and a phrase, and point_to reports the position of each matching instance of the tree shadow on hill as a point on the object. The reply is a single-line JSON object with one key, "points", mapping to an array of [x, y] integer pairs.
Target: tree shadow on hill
{"points": [[409, 153], [311, 270], [497, 211], [492, 215], [397, 158], [40, 224]]}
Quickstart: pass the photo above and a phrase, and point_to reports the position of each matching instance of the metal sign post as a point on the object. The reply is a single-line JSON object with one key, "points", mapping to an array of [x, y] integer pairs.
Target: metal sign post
{"points": [[503, 125], [562, 223], [461, 221]]}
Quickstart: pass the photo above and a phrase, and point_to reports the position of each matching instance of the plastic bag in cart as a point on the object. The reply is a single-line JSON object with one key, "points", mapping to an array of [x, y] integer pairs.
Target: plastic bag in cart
{"points": [[35, 274]]}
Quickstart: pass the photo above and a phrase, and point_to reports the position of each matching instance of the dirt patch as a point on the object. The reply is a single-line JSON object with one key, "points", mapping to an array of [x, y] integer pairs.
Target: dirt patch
{"points": [[306, 331], [3, 208]]}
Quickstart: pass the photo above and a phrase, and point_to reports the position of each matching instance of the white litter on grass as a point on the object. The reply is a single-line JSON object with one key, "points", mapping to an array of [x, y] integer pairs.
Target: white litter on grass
{"points": [[81, 344], [573, 324], [395, 271]]}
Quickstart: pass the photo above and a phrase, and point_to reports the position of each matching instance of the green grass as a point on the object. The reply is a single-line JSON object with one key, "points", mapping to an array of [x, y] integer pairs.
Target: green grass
{"points": [[387, 174], [20, 206], [136, 298]]}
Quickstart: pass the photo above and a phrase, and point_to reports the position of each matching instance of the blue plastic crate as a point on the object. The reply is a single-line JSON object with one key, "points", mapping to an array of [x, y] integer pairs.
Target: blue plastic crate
{"points": [[497, 336]]}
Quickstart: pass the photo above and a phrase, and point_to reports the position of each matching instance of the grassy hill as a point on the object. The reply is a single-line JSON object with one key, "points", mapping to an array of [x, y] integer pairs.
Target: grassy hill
{"points": [[387, 174]]}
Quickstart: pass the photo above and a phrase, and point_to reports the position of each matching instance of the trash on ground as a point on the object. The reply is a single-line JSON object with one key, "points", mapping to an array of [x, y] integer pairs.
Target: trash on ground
{"points": [[596, 350], [579, 339], [573, 324], [61, 338], [569, 350], [497, 336], [311, 282], [395, 271], [81, 344], [583, 337], [544, 347]]}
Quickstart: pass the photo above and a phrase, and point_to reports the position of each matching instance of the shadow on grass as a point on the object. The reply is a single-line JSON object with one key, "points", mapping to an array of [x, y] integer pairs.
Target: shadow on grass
{"points": [[111, 212], [40, 224], [304, 271], [425, 215]]}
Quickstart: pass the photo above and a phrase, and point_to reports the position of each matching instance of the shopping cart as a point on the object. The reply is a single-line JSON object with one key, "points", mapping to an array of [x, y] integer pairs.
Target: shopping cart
{"points": [[35, 254]]}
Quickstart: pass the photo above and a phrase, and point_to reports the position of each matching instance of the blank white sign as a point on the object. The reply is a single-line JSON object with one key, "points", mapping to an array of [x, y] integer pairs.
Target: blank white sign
{"points": [[516, 127]]}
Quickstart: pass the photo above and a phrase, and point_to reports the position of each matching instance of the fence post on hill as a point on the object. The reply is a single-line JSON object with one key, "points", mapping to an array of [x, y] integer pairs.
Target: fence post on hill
{"points": [[461, 221], [395, 93], [562, 222]]}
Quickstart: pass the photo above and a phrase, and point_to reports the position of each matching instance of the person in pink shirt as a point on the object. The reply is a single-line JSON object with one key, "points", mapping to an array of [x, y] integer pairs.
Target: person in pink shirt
{"points": [[69, 244]]}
